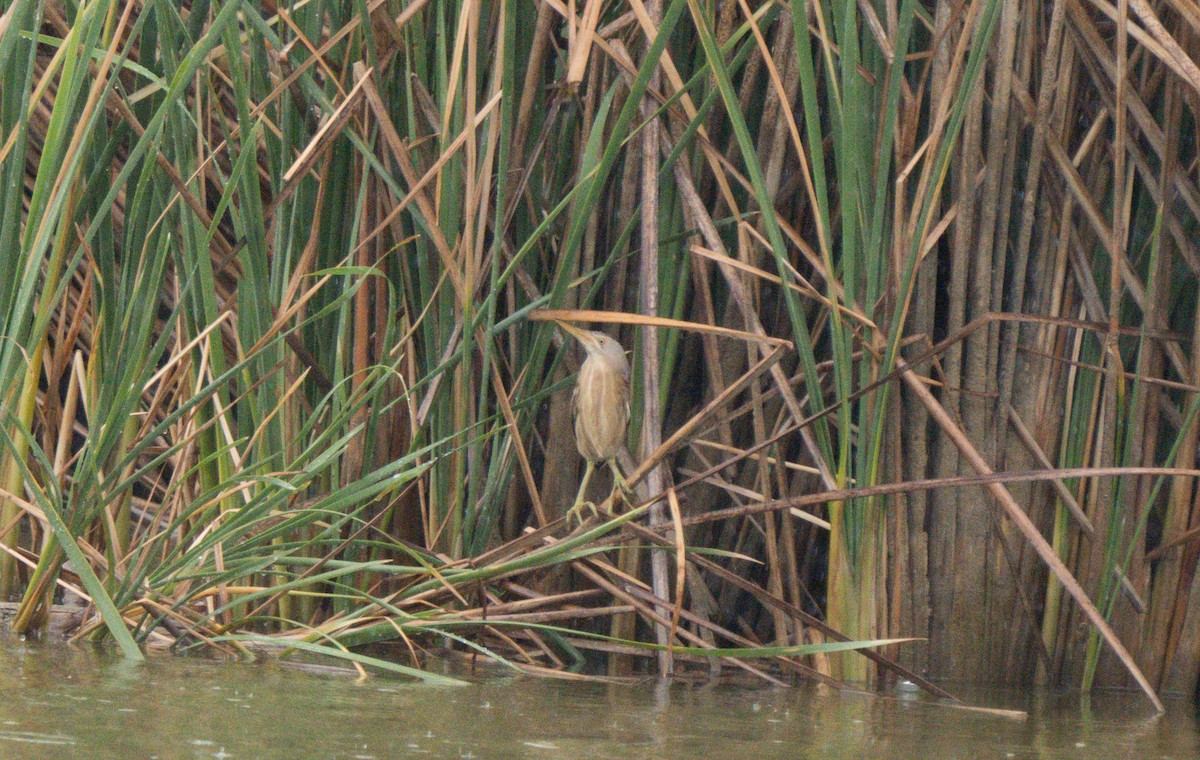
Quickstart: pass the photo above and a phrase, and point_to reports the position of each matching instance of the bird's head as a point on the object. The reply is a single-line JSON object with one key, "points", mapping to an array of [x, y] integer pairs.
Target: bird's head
{"points": [[599, 345]]}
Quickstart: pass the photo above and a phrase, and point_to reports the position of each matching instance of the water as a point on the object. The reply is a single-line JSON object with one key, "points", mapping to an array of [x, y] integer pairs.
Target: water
{"points": [[70, 702]]}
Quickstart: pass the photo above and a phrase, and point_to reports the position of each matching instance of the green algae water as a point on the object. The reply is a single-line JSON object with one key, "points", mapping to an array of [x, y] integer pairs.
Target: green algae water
{"points": [[62, 701]]}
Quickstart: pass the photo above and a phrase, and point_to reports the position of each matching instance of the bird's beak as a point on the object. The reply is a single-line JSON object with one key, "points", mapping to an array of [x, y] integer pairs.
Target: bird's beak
{"points": [[574, 331]]}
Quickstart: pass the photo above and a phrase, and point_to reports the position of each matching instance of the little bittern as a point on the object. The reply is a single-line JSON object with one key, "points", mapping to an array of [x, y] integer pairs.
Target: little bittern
{"points": [[601, 404]]}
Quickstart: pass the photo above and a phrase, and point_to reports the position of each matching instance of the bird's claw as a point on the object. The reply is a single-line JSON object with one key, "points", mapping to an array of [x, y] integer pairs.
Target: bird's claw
{"points": [[576, 512]]}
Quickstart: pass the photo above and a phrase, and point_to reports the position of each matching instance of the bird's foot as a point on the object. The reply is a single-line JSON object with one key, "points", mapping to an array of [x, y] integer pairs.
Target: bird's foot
{"points": [[575, 513], [621, 493]]}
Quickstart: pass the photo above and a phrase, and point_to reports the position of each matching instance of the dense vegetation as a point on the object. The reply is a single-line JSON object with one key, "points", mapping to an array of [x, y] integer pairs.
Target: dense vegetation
{"points": [[277, 367]]}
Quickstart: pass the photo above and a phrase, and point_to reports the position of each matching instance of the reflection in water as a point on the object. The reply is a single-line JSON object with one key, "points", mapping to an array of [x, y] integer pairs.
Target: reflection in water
{"points": [[72, 702]]}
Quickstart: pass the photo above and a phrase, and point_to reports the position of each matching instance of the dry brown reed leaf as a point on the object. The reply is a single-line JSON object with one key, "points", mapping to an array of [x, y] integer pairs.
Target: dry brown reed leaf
{"points": [[804, 289], [642, 320]]}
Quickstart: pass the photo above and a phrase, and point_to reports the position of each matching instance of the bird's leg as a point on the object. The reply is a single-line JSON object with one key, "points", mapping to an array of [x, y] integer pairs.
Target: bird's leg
{"points": [[619, 486], [576, 509]]}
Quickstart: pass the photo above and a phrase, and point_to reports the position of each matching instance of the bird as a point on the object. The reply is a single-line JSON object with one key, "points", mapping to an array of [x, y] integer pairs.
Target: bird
{"points": [[601, 406]]}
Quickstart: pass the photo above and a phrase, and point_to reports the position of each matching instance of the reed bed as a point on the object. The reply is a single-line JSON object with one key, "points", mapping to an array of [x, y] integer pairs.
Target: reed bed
{"points": [[909, 290]]}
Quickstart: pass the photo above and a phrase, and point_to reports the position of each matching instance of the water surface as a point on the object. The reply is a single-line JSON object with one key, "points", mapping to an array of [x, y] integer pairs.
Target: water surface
{"points": [[63, 701]]}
